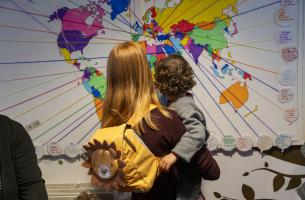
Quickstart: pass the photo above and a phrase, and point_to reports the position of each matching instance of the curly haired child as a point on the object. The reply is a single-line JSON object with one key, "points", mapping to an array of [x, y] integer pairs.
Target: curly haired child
{"points": [[174, 78]]}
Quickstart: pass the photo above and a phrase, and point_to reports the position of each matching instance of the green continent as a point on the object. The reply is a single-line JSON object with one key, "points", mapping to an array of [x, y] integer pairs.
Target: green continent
{"points": [[99, 83], [214, 38]]}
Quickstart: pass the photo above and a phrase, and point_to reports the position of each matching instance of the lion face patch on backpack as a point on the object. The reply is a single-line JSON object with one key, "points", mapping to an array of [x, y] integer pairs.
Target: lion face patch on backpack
{"points": [[104, 165], [119, 159]]}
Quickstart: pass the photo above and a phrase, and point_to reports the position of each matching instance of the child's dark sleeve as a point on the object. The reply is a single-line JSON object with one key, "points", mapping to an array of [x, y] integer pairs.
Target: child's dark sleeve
{"points": [[206, 164]]}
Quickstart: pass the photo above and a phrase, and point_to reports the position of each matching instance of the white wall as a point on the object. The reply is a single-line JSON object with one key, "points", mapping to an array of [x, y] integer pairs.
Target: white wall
{"points": [[232, 166]]}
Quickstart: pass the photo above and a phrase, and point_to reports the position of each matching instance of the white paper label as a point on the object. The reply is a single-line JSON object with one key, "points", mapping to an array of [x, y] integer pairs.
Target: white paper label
{"points": [[283, 141], [287, 2], [228, 143], [212, 143], [285, 94], [244, 143], [289, 54], [285, 37], [284, 17], [54, 149], [291, 114], [264, 142], [72, 150], [287, 76]]}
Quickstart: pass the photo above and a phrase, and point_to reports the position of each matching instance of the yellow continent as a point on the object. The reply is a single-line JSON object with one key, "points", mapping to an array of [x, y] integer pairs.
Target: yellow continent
{"points": [[195, 11]]}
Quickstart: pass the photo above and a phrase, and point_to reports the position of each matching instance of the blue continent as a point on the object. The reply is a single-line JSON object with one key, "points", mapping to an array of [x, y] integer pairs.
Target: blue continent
{"points": [[118, 6]]}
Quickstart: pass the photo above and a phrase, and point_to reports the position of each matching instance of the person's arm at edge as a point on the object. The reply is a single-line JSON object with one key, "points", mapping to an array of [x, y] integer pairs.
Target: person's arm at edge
{"points": [[31, 186]]}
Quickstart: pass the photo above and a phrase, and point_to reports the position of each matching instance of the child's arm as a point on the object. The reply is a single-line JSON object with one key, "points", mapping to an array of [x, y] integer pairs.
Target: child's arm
{"points": [[168, 161], [195, 131]]}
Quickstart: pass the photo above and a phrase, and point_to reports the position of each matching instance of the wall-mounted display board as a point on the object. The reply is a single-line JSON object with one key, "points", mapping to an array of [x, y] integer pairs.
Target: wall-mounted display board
{"points": [[248, 59]]}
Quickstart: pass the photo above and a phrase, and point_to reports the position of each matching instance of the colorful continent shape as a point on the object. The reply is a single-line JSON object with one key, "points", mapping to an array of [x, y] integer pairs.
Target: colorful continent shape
{"points": [[236, 94]]}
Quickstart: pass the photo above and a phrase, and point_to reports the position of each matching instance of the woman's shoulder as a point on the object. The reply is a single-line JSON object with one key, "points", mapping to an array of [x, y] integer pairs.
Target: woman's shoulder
{"points": [[170, 129], [158, 117], [157, 113]]}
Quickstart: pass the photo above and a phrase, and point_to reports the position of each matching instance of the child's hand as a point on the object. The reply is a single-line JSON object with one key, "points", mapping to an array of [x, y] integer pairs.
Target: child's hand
{"points": [[167, 161]]}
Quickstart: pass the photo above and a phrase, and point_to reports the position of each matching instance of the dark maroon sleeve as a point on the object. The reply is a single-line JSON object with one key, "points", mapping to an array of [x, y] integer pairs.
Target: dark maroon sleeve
{"points": [[174, 130], [169, 133], [206, 164], [161, 142]]}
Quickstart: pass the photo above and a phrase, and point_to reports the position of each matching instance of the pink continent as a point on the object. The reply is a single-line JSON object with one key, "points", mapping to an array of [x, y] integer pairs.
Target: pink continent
{"points": [[75, 19]]}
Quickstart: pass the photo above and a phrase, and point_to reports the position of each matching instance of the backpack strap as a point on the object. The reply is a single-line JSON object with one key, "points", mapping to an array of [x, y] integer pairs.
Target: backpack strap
{"points": [[128, 126]]}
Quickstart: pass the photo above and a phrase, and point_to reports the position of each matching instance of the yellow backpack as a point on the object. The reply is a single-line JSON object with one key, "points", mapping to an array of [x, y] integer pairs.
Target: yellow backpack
{"points": [[119, 159]]}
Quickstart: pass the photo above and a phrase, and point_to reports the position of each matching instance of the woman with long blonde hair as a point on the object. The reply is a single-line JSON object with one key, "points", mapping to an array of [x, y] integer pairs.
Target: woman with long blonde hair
{"points": [[129, 96], [130, 88]]}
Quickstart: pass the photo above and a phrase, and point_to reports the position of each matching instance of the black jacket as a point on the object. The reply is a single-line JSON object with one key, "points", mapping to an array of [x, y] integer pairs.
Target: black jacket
{"points": [[20, 173]]}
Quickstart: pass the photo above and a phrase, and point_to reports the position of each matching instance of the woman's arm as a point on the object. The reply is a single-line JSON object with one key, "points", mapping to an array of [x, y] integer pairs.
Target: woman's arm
{"points": [[31, 186], [206, 164]]}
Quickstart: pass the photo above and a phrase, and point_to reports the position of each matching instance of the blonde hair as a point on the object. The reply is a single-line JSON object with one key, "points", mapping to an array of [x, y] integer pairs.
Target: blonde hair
{"points": [[130, 88]]}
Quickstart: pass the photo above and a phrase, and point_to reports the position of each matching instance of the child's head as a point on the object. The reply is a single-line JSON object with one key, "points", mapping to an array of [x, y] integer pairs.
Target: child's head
{"points": [[174, 76]]}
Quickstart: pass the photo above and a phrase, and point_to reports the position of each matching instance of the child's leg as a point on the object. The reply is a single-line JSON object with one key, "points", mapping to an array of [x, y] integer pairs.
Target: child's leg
{"points": [[189, 182], [188, 191]]}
